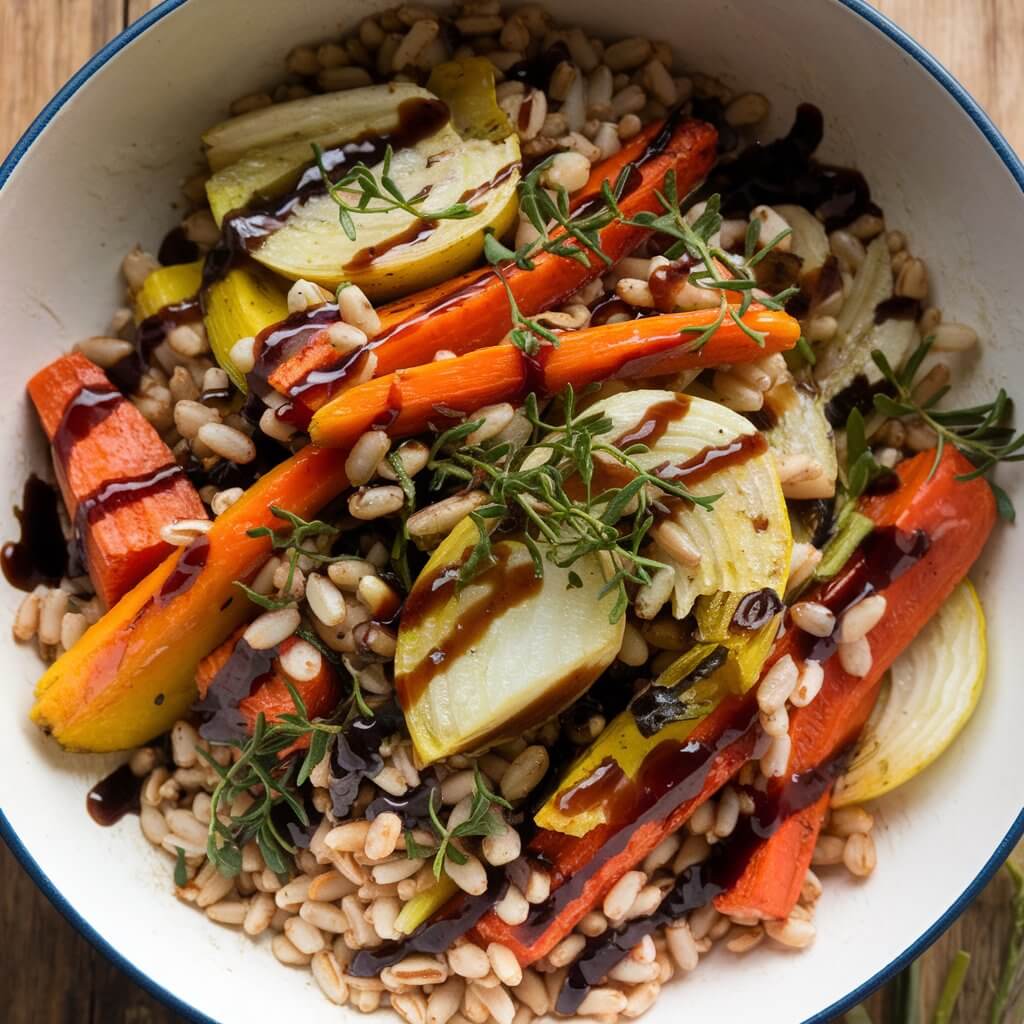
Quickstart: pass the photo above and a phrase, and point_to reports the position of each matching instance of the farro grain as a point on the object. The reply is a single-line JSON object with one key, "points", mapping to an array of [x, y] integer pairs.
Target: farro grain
{"points": [[793, 932], [861, 619], [502, 849], [324, 916], [538, 886], [51, 615], [293, 893], [812, 675], [213, 890], [287, 953], [72, 627], [773, 763], [470, 877], [859, 854], [396, 870], [845, 821], [356, 309], [498, 1002], [468, 960], [855, 657], [952, 337], [525, 773], [567, 950], [382, 836], [260, 914], [136, 267], [513, 908], [444, 1000], [185, 824], [777, 684], [749, 109], [813, 617], [413, 456], [631, 972], [272, 628], [621, 895], [828, 850], [912, 280], [325, 600], [370, 503], [532, 992], [365, 454], [727, 814]]}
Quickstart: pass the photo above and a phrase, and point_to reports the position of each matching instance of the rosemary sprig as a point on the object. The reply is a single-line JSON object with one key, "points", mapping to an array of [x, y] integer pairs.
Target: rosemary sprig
{"points": [[1010, 975], [293, 541], [259, 772], [980, 432], [359, 191], [482, 822], [528, 490]]}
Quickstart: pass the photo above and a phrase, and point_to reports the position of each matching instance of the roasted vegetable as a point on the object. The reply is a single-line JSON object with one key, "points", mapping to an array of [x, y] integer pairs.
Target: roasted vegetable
{"points": [[503, 653], [467, 86], [269, 694], [958, 517], [132, 675], [798, 426], [848, 356], [120, 482], [932, 527], [166, 286], [394, 250], [649, 347], [240, 306], [472, 312], [743, 545], [932, 691]]}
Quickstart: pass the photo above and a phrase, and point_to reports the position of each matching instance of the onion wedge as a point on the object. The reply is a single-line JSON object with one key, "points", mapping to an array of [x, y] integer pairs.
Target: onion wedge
{"points": [[932, 691]]}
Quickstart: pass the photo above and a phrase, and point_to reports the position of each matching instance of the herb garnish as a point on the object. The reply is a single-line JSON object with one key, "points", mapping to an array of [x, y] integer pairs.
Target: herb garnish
{"points": [[482, 822], [360, 191], [291, 540], [1009, 977], [527, 487], [980, 432], [259, 770], [180, 867]]}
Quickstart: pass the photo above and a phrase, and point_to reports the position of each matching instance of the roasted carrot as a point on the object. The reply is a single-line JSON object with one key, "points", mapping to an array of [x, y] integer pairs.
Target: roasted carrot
{"points": [[270, 696], [120, 482], [471, 312], [407, 401], [957, 518], [133, 673]]}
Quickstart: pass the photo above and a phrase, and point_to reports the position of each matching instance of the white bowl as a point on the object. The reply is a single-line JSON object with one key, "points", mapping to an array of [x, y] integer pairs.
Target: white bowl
{"points": [[99, 170]]}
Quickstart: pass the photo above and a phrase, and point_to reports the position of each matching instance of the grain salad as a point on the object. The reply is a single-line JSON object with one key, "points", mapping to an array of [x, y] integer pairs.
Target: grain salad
{"points": [[511, 522]]}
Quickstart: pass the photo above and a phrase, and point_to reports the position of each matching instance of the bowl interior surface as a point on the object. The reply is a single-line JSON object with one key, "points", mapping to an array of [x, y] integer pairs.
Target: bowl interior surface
{"points": [[105, 174]]}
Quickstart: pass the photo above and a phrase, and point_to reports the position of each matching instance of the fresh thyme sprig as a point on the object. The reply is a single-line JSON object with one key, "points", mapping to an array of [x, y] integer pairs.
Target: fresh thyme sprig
{"points": [[259, 771], [980, 432], [293, 541], [360, 191], [482, 822], [528, 489]]}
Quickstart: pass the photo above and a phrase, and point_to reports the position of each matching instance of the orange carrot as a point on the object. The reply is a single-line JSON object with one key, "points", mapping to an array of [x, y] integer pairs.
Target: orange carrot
{"points": [[407, 401], [270, 696], [472, 311], [133, 673], [120, 482], [957, 517]]}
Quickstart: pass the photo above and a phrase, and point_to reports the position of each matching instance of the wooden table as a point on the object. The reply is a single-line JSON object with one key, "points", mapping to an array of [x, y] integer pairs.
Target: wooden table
{"points": [[48, 973]]}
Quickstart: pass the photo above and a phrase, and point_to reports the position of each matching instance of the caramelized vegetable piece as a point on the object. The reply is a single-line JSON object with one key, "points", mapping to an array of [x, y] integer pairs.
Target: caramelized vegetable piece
{"points": [[133, 673], [472, 312], [408, 400], [269, 695], [467, 86], [956, 518], [120, 482], [915, 578], [240, 306], [166, 286]]}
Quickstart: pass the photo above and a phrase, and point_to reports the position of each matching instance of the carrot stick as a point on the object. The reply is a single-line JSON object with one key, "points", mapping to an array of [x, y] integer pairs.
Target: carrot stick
{"points": [[473, 311], [407, 401], [120, 482], [957, 516], [133, 673]]}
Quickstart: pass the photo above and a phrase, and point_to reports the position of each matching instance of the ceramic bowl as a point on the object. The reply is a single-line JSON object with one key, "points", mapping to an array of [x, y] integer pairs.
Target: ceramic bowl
{"points": [[100, 169]]}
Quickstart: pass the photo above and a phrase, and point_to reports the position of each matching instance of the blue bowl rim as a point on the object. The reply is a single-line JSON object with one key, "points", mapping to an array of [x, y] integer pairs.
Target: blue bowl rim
{"points": [[1012, 163]]}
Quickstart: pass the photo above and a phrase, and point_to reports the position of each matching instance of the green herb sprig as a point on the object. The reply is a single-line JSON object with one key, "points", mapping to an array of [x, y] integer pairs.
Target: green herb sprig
{"points": [[360, 191], [292, 540], [527, 485], [1010, 975], [259, 771], [980, 432], [482, 822]]}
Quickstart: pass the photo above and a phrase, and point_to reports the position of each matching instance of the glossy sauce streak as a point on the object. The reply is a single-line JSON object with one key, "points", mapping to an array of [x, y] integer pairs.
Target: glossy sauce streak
{"points": [[666, 281], [191, 563], [415, 234], [114, 797], [713, 459], [507, 585], [672, 774], [40, 555], [89, 408], [756, 609], [699, 885], [613, 308], [118, 493], [657, 419], [279, 342], [883, 557], [245, 230]]}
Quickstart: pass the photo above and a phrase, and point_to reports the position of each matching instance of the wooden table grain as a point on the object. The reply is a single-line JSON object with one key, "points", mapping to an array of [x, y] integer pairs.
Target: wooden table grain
{"points": [[51, 975]]}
